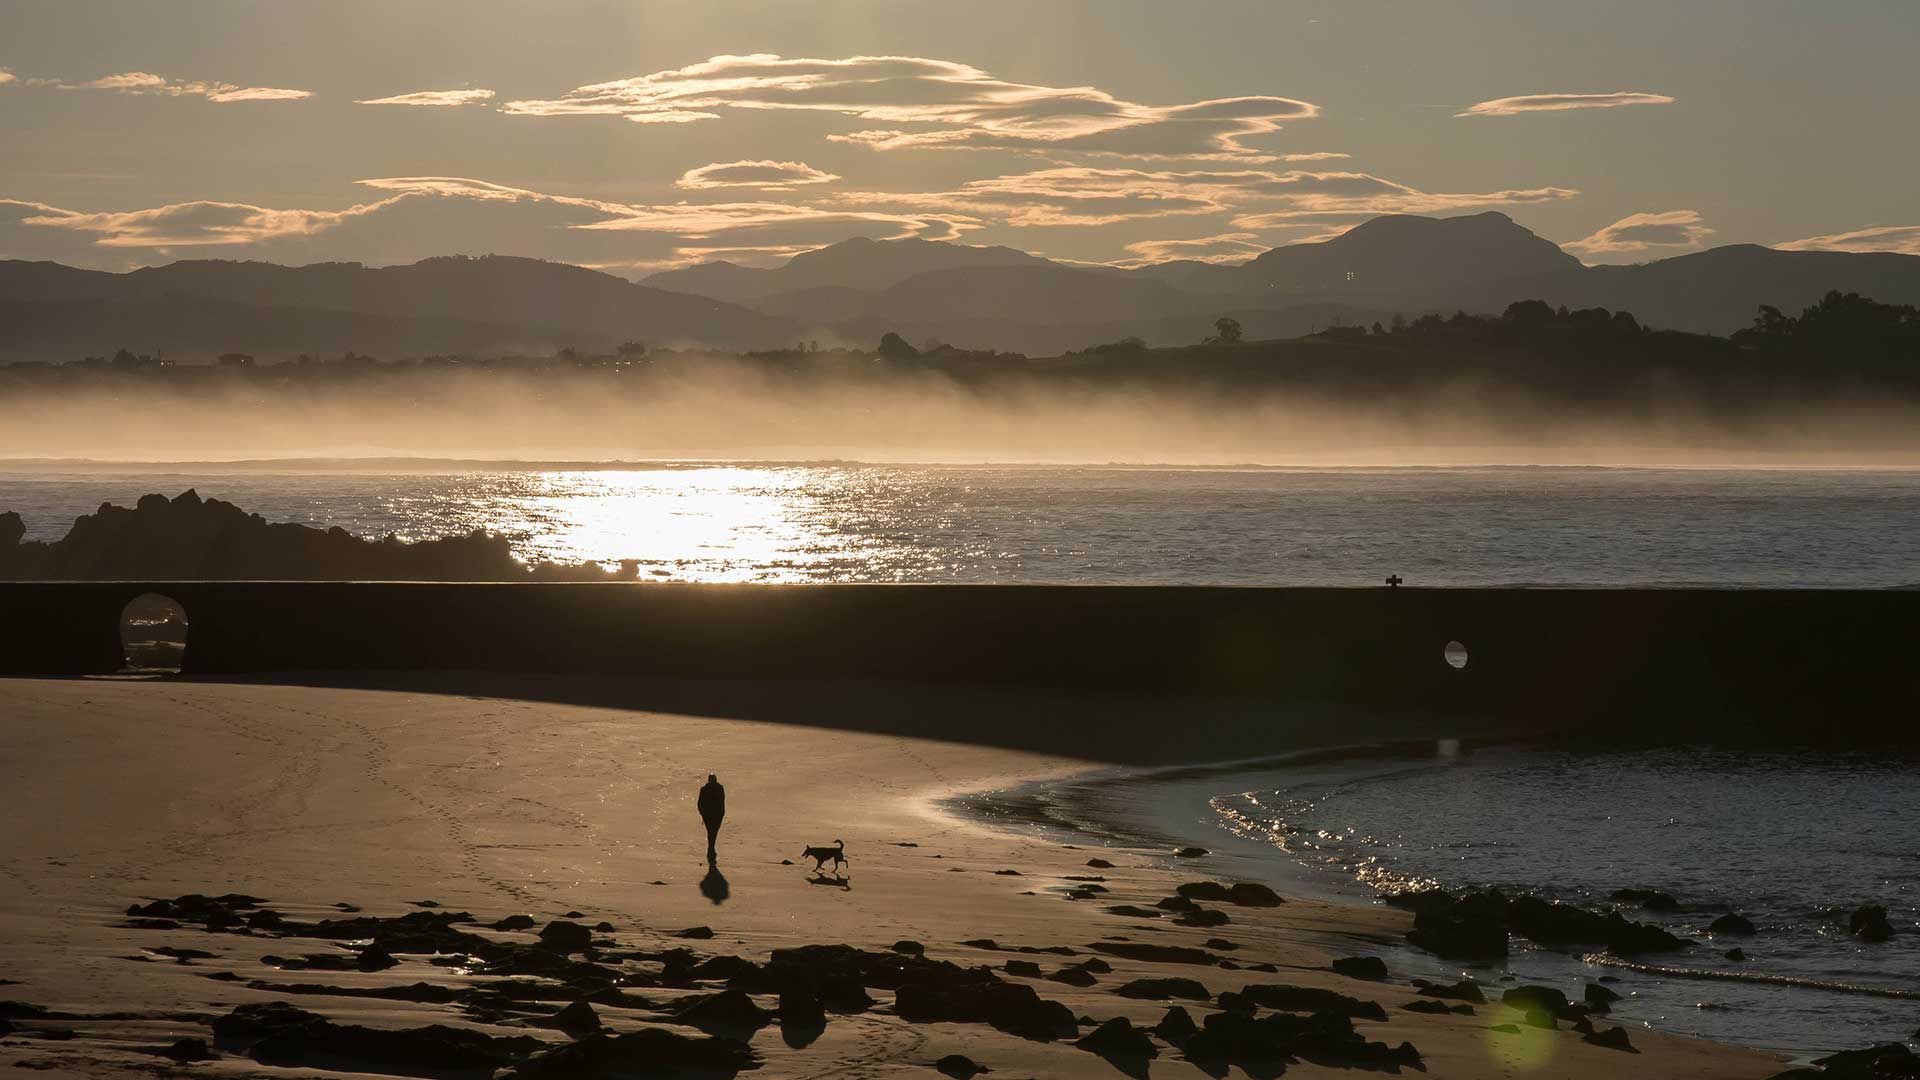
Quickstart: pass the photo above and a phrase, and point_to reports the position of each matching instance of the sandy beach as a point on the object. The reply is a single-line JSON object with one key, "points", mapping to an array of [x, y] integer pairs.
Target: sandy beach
{"points": [[544, 797]]}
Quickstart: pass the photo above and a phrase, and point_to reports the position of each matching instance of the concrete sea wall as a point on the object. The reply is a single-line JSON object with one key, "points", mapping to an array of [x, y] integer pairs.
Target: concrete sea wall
{"points": [[1826, 665]]}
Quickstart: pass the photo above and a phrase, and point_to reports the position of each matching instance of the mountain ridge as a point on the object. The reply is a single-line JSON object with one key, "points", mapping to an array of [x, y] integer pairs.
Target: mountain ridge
{"points": [[848, 292]]}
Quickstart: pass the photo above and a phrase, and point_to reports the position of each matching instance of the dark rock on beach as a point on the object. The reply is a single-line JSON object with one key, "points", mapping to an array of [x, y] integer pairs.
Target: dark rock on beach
{"points": [[190, 1049], [567, 937], [960, 1067], [1464, 990], [1613, 1038], [1176, 1026], [1119, 1038], [647, 1052], [1162, 989], [1156, 954], [1231, 1038], [1599, 998], [1202, 917], [1361, 967], [1311, 999]]}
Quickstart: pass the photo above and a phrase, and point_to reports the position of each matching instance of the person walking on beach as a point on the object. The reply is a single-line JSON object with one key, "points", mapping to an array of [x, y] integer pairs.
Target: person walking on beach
{"points": [[713, 809]]}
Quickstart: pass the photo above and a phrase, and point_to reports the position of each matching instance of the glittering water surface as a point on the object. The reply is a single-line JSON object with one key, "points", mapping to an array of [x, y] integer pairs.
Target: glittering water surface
{"points": [[1795, 841], [851, 522]]}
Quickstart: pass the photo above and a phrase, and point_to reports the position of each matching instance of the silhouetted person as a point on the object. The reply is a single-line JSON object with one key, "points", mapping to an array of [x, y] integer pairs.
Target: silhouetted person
{"points": [[713, 810]]}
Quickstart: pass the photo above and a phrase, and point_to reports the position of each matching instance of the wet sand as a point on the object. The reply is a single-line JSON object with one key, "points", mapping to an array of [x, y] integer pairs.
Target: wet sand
{"points": [[554, 796]]}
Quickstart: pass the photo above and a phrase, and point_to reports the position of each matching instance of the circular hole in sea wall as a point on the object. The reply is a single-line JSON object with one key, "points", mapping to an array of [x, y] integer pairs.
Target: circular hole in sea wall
{"points": [[153, 634], [1456, 655]]}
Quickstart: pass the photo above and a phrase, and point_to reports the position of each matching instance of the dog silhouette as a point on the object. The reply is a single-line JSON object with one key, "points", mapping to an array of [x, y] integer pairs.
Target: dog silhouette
{"points": [[821, 855]]}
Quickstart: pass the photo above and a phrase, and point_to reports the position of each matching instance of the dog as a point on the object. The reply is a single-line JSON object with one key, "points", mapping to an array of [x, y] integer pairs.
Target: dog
{"points": [[822, 854]]}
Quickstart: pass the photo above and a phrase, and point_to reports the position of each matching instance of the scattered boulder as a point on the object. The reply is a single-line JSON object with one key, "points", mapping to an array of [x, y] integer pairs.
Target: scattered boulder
{"points": [[648, 1052], [190, 1049], [1613, 1038], [1177, 903], [909, 948], [1737, 955], [577, 1017], [1252, 894], [724, 1012], [801, 1007], [1535, 998], [1176, 1026], [1464, 990], [1191, 852], [1203, 890], [1162, 989], [1869, 923], [1599, 998], [1010, 1007], [1884, 1062], [1311, 999], [1073, 975], [1132, 911], [514, 922], [1100, 864], [1156, 954], [1118, 1038], [1233, 1038], [1202, 917], [1427, 1005], [1024, 968], [566, 937], [1738, 925], [960, 1067], [1651, 899], [1361, 967], [696, 933]]}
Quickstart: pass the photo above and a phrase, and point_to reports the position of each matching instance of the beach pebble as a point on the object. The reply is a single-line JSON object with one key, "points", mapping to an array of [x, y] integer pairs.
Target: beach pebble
{"points": [[1191, 852], [1100, 864]]}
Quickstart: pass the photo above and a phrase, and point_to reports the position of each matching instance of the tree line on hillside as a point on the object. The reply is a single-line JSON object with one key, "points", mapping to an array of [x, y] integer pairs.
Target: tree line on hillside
{"points": [[1845, 342]]}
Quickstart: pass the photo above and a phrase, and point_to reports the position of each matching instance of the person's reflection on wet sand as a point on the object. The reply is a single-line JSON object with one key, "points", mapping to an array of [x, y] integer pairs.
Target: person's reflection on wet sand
{"points": [[714, 886]]}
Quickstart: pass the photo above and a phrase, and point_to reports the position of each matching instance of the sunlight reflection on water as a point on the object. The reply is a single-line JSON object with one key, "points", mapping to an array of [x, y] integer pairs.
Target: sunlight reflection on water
{"points": [[818, 521]]}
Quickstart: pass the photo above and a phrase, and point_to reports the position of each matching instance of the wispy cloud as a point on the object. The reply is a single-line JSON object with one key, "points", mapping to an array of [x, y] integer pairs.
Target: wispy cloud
{"points": [[701, 230], [6, 77], [963, 107], [1667, 229], [191, 224], [1900, 239], [1528, 103], [1264, 199], [147, 83], [434, 98], [754, 174], [1224, 248]]}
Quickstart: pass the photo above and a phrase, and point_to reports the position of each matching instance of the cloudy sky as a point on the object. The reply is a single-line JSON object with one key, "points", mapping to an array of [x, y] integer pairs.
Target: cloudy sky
{"points": [[641, 134]]}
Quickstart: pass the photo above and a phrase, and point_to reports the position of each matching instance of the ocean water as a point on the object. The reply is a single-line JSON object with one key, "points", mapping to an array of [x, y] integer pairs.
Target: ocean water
{"points": [[795, 522], [1793, 841]]}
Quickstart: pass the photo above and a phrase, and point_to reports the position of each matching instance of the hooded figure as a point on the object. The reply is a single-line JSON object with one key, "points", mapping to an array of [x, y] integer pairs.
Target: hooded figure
{"points": [[713, 809]]}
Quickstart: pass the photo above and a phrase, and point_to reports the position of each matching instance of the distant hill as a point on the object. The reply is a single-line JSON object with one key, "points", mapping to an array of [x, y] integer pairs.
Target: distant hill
{"points": [[853, 291], [859, 263], [444, 304]]}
